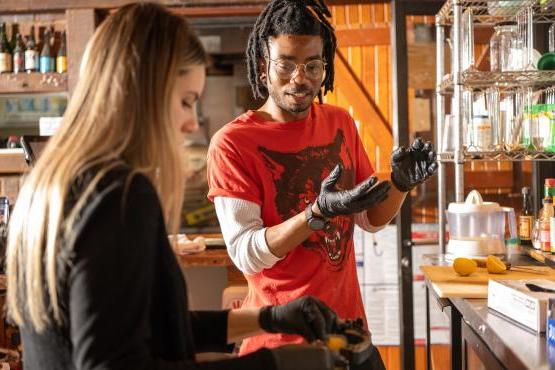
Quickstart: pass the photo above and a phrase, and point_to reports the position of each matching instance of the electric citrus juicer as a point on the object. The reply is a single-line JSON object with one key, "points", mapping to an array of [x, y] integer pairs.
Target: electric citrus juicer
{"points": [[477, 228]]}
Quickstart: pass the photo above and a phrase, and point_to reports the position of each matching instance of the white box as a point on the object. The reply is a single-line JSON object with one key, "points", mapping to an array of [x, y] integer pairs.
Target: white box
{"points": [[513, 299]]}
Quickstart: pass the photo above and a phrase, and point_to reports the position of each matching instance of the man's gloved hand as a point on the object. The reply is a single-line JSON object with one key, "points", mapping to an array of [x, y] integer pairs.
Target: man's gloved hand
{"points": [[305, 316], [413, 166], [333, 202], [306, 357]]}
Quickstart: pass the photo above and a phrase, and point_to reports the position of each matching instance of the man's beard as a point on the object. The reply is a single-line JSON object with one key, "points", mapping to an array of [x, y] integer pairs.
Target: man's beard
{"points": [[278, 98]]}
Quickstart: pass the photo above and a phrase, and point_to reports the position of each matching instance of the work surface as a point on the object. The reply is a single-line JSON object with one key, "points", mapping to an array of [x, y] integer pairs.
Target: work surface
{"points": [[513, 346], [446, 283]]}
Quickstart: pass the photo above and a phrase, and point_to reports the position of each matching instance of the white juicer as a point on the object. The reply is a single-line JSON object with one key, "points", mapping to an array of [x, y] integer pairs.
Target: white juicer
{"points": [[477, 228]]}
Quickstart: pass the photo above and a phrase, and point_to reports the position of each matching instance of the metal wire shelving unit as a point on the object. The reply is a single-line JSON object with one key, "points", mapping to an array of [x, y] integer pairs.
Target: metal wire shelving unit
{"points": [[484, 13]]}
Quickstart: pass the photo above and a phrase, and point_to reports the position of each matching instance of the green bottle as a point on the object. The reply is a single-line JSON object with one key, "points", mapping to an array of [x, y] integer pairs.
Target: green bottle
{"points": [[550, 142]]}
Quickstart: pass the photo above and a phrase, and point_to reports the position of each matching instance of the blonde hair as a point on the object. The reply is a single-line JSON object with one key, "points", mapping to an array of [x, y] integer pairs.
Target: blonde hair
{"points": [[118, 114]]}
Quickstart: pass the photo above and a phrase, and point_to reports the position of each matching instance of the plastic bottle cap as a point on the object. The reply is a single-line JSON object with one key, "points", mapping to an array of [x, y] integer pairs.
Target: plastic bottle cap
{"points": [[549, 182], [525, 190]]}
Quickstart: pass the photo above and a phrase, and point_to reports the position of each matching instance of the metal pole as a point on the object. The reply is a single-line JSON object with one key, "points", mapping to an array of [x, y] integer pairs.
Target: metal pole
{"points": [[440, 115], [401, 137], [458, 102]]}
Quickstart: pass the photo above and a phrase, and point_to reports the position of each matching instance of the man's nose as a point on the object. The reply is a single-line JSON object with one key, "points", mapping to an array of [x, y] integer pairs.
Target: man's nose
{"points": [[299, 75]]}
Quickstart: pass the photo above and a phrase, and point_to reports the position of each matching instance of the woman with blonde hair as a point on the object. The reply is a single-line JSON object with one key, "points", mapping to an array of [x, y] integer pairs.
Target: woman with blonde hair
{"points": [[92, 280]]}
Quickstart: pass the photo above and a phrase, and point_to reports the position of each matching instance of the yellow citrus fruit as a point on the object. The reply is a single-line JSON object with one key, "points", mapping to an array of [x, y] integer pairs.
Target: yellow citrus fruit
{"points": [[495, 265], [336, 342], [464, 266]]}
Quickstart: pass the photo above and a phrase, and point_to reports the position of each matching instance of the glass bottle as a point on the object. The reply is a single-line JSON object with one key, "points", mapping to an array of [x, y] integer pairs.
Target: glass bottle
{"points": [[15, 32], [526, 219], [45, 54], [4, 210], [549, 187], [31, 53], [19, 55], [5, 53], [545, 229], [61, 58], [550, 142]]}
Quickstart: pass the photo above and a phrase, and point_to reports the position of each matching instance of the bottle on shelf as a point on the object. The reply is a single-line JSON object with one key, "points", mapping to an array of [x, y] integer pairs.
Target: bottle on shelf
{"points": [[31, 53], [549, 187], [5, 52], [61, 58], [19, 55], [4, 210], [526, 218], [13, 40], [45, 54], [545, 224], [550, 142], [13, 142]]}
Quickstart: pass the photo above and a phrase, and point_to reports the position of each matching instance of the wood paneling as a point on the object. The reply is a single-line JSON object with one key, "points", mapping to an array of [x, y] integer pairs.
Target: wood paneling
{"points": [[369, 59], [80, 28]]}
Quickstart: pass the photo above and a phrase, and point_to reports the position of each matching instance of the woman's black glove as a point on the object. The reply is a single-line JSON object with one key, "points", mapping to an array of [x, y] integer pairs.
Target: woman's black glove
{"points": [[413, 166], [305, 316], [333, 202]]}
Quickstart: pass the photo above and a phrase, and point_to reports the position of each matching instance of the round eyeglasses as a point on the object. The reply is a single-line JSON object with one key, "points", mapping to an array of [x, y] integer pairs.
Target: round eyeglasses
{"points": [[285, 69]]}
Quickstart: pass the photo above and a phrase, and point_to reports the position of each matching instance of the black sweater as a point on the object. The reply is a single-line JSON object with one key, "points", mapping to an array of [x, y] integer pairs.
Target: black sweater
{"points": [[123, 296]]}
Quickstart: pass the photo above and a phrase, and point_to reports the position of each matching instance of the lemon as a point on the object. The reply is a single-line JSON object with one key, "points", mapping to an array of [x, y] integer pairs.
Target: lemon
{"points": [[464, 266], [495, 265], [336, 342]]}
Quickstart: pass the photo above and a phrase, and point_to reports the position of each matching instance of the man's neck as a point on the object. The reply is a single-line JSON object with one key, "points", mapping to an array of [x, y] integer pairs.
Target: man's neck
{"points": [[272, 113]]}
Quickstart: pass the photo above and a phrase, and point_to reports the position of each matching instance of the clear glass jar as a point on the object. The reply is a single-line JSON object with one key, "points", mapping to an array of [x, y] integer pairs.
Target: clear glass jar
{"points": [[506, 49]]}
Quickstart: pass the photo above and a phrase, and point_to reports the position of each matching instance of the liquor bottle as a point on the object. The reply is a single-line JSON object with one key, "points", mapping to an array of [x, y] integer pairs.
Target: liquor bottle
{"points": [[45, 55], [526, 219], [4, 218], [13, 41], [31, 53], [545, 227], [5, 53], [61, 58], [19, 55], [4, 210]]}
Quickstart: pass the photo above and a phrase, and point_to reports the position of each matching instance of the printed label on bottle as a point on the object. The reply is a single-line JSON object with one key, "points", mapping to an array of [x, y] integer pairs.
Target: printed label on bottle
{"points": [[45, 64], [18, 62], [61, 64], [5, 62], [545, 236], [525, 227], [30, 59]]}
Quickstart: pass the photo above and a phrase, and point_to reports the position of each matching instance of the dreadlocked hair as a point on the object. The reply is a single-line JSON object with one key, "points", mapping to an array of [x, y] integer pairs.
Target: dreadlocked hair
{"points": [[290, 17]]}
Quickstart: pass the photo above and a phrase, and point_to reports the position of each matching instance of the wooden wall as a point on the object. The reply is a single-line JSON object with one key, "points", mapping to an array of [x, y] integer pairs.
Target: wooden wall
{"points": [[371, 63]]}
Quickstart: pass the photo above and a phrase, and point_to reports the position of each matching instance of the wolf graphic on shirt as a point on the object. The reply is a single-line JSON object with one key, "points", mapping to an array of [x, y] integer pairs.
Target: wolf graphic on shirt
{"points": [[297, 178]]}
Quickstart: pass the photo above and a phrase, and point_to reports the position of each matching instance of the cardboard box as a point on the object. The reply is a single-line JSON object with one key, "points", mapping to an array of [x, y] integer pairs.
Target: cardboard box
{"points": [[513, 299]]}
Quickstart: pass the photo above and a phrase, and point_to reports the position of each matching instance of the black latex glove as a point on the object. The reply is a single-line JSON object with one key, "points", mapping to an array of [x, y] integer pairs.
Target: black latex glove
{"points": [[306, 357], [305, 316], [333, 202], [413, 166]]}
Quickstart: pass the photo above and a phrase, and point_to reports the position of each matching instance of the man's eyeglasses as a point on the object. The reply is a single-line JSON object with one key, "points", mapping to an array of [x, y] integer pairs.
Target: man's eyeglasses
{"points": [[285, 68]]}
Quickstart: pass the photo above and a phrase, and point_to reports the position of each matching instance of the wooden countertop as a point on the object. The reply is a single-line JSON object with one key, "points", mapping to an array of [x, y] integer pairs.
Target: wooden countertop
{"points": [[209, 257]]}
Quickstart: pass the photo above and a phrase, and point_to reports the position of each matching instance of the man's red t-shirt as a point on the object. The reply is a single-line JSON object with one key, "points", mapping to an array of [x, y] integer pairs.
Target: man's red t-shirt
{"points": [[280, 166]]}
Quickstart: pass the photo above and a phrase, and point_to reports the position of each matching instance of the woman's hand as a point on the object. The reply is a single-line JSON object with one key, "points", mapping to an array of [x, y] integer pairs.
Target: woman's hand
{"points": [[305, 316]]}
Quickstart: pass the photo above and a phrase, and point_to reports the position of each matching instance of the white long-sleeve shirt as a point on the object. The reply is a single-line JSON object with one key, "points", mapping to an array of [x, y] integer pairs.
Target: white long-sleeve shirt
{"points": [[245, 235]]}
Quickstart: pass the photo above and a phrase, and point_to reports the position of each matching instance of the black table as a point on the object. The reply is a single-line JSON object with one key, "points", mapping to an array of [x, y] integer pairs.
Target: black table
{"points": [[478, 334]]}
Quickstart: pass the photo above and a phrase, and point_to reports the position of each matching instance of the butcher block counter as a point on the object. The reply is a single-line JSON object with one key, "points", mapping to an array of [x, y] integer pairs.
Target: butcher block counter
{"points": [[213, 256], [479, 337]]}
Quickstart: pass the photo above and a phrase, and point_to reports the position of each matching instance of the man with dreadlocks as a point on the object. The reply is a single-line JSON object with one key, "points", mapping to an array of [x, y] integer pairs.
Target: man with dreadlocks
{"points": [[290, 179]]}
